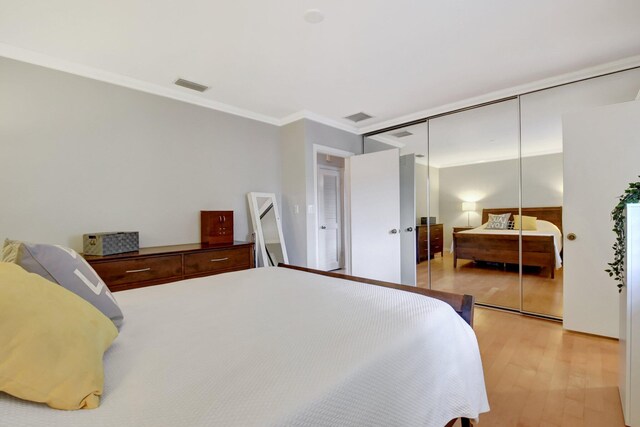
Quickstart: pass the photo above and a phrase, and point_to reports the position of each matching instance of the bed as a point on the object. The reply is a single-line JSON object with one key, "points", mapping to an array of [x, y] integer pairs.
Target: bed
{"points": [[278, 346], [541, 248]]}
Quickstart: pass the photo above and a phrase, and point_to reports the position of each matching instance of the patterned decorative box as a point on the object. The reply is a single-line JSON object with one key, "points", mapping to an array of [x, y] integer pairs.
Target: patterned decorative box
{"points": [[110, 243]]}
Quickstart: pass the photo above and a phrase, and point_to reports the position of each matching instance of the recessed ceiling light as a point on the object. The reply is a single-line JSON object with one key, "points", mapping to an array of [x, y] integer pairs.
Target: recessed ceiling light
{"points": [[313, 16]]}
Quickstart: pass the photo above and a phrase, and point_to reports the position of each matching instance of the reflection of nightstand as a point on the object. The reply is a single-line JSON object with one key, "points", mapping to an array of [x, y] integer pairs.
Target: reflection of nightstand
{"points": [[456, 229], [435, 245]]}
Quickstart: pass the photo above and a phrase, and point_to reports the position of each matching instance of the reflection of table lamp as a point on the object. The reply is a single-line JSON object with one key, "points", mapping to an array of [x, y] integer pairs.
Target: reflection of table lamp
{"points": [[468, 207]]}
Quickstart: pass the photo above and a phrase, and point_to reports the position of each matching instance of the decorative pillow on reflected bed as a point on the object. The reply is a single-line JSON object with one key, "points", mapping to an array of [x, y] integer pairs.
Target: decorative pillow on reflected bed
{"points": [[528, 222], [51, 342], [66, 268], [498, 222]]}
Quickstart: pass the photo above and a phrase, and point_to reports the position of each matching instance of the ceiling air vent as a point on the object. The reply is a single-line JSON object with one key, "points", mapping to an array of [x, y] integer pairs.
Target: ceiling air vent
{"points": [[191, 85], [401, 134], [358, 117]]}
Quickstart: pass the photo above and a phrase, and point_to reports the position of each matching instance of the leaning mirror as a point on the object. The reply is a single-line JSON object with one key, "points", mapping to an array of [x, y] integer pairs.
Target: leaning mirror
{"points": [[265, 218]]}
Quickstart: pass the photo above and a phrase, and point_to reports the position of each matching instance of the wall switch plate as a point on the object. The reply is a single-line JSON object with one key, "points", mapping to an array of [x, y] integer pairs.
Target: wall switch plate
{"points": [[296, 209]]}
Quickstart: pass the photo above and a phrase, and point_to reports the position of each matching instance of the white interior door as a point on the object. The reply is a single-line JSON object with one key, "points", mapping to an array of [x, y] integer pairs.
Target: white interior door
{"points": [[329, 213], [601, 152], [374, 182]]}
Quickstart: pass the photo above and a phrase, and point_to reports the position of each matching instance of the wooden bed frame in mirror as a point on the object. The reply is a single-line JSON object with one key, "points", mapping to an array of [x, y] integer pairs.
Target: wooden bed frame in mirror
{"points": [[537, 251], [462, 304]]}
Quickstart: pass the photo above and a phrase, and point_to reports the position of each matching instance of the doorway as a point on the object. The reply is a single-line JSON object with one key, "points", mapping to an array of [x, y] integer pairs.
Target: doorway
{"points": [[330, 217], [331, 209]]}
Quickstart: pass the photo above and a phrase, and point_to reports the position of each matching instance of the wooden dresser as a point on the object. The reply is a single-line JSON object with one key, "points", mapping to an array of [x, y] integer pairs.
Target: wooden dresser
{"points": [[163, 264], [437, 241]]}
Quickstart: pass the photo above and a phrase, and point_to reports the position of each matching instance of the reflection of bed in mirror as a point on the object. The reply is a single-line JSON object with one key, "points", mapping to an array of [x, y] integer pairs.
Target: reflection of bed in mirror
{"points": [[540, 248]]}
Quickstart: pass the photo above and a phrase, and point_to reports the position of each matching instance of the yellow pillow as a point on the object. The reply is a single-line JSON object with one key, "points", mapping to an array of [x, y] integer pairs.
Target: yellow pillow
{"points": [[51, 342], [528, 222]]}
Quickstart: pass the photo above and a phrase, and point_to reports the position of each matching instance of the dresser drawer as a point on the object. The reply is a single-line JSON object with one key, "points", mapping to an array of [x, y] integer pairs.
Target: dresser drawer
{"points": [[217, 260], [121, 272]]}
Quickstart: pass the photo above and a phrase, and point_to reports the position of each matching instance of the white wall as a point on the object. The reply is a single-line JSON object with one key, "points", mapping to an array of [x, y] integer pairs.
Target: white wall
{"points": [[81, 156], [294, 224], [423, 173], [298, 139], [602, 155], [542, 181], [496, 185]]}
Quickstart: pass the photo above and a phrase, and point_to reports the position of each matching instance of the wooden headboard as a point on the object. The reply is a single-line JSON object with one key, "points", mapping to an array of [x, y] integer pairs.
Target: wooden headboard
{"points": [[552, 214]]}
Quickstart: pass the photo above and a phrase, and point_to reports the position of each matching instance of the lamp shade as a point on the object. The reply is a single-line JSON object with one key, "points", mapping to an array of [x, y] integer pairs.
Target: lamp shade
{"points": [[468, 206]]}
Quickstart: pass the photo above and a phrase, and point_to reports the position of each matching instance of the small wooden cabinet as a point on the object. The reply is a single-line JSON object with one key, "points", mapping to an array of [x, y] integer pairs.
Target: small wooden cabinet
{"points": [[164, 264], [216, 227], [436, 242]]}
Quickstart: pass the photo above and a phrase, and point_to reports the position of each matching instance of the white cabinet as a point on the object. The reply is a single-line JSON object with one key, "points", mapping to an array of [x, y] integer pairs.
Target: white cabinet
{"points": [[630, 321]]}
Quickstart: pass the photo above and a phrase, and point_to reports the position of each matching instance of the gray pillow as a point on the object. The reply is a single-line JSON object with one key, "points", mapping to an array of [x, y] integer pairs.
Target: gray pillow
{"points": [[66, 268], [498, 222]]}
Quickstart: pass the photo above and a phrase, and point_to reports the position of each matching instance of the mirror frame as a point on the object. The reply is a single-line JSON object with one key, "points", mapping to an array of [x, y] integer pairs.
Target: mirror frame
{"points": [[254, 210]]}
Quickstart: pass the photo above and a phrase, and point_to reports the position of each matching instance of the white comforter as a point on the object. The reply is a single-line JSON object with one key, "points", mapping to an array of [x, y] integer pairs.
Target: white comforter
{"points": [[272, 346], [544, 228]]}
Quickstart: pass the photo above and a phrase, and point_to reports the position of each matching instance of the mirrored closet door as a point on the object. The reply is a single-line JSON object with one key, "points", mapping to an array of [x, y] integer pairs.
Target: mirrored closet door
{"points": [[543, 185], [474, 154], [487, 195]]}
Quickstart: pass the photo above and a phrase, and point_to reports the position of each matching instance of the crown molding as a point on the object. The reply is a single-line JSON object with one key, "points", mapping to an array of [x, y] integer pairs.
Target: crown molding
{"points": [[389, 141], [32, 57], [609, 67], [497, 159], [47, 61], [310, 115]]}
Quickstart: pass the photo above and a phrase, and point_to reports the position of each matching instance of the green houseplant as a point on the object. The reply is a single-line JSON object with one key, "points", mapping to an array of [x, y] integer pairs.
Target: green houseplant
{"points": [[630, 195]]}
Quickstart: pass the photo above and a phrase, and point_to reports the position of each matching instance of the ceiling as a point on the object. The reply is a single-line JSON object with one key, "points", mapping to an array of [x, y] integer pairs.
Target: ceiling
{"points": [[262, 60]]}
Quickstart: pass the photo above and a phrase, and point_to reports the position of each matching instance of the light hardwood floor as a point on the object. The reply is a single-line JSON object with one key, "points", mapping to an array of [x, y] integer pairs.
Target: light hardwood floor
{"points": [[494, 285], [537, 374]]}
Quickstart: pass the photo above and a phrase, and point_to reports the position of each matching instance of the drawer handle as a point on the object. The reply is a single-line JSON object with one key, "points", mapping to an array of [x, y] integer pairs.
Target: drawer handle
{"points": [[219, 259], [138, 271]]}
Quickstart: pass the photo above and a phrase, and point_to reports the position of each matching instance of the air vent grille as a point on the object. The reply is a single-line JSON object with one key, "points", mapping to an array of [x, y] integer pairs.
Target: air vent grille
{"points": [[402, 134], [358, 117], [191, 85]]}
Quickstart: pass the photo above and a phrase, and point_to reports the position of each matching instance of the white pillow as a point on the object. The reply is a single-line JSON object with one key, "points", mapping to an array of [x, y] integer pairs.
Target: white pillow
{"points": [[498, 222]]}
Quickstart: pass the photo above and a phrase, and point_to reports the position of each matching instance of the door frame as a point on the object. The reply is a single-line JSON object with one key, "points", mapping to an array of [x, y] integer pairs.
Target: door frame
{"points": [[346, 225]]}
